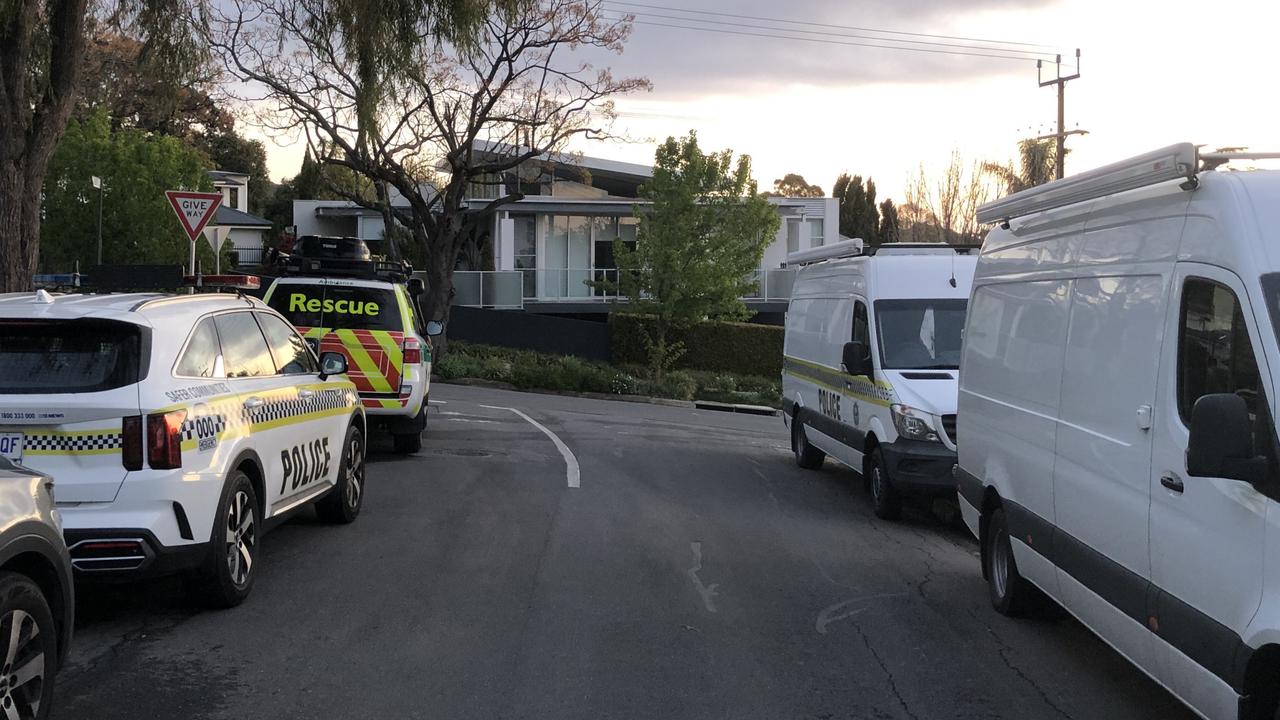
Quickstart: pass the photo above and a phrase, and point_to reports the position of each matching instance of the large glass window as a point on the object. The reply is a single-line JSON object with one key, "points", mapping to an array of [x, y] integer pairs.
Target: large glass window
{"points": [[290, 352], [201, 352], [525, 252], [244, 350], [920, 334], [793, 235], [816, 237], [1214, 351]]}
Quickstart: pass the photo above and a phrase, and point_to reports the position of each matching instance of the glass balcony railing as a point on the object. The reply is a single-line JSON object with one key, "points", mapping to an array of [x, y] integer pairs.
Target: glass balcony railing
{"points": [[506, 289]]}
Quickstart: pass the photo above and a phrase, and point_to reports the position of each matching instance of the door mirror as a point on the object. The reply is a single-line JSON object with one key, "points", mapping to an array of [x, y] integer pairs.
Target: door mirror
{"points": [[332, 363], [856, 359], [1221, 442], [434, 328], [416, 287]]}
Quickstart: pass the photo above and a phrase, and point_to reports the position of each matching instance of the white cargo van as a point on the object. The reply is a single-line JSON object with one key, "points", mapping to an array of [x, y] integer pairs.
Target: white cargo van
{"points": [[869, 369], [1117, 443]]}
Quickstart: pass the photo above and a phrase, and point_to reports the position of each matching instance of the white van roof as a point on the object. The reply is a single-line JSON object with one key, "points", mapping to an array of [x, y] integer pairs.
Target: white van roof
{"points": [[890, 276]]}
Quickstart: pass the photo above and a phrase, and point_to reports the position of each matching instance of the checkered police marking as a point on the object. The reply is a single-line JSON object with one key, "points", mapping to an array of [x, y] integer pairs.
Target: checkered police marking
{"points": [[82, 442]]}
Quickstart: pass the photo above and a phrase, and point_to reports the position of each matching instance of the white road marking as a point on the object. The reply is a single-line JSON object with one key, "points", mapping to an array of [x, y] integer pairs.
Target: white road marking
{"points": [[572, 473], [707, 592], [472, 420], [437, 402], [828, 614]]}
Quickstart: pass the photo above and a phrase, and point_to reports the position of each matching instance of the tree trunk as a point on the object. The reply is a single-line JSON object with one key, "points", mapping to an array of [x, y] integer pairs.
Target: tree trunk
{"points": [[19, 229], [437, 301]]}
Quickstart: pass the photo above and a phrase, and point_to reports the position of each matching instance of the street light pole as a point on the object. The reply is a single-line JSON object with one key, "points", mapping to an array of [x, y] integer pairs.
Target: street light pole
{"points": [[97, 183]]}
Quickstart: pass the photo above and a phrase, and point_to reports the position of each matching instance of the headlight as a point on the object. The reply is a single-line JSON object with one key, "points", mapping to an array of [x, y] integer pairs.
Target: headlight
{"points": [[913, 424]]}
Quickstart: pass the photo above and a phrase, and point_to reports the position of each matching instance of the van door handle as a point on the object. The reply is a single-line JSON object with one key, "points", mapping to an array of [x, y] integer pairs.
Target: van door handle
{"points": [[1173, 483], [305, 394], [253, 403]]}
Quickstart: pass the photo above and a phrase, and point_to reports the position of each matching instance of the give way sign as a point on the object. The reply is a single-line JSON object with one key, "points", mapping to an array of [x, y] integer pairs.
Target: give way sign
{"points": [[194, 209]]}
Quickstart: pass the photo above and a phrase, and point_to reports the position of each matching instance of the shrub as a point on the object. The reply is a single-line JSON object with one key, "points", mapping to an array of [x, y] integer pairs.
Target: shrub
{"points": [[743, 348], [496, 368], [458, 366]]}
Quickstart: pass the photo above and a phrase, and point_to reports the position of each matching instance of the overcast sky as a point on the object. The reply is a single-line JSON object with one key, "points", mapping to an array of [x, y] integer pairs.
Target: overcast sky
{"points": [[1152, 73]]}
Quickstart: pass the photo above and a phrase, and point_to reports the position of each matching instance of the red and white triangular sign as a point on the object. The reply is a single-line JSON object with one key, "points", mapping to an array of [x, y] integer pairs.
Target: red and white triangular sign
{"points": [[194, 209]]}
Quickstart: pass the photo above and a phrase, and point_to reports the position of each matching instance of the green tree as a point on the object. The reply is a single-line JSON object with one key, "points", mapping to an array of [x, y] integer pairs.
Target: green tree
{"points": [[1037, 165], [138, 225], [889, 227], [859, 216], [697, 244], [794, 185]]}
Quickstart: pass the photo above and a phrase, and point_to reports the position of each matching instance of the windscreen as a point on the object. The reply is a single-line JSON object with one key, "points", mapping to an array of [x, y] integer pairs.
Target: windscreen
{"points": [[337, 306], [920, 334], [67, 356]]}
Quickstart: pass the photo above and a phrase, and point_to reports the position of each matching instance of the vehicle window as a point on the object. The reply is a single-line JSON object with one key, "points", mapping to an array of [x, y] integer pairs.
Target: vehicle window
{"points": [[920, 334], [861, 330], [68, 356], [290, 351], [337, 306], [202, 349], [244, 350], [1214, 351]]}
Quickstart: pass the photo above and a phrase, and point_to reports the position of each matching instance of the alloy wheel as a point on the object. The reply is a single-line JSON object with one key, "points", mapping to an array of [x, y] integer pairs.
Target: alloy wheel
{"points": [[241, 538], [1000, 565], [22, 683], [355, 471]]}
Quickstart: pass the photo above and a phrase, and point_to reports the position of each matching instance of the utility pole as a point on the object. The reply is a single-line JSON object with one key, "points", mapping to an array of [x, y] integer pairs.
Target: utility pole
{"points": [[97, 183], [1061, 81]]}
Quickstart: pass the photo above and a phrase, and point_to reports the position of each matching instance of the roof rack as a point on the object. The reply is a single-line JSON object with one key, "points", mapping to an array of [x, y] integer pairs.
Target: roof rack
{"points": [[915, 249], [341, 257], [1212, 160], [841, 249], [1175, 162]]}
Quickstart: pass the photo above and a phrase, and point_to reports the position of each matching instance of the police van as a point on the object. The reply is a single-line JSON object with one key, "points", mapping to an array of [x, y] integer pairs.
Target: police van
{"points": [[871, 355], [177, 428], [342, 299]]}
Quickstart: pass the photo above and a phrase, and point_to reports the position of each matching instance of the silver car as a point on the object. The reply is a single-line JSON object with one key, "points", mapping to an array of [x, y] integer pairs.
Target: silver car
{"points": [[37, 597]]}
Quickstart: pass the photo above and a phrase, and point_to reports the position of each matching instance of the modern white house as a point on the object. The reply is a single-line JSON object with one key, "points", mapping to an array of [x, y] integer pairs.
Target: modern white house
{"points": [[246, 232], [546, 247]]}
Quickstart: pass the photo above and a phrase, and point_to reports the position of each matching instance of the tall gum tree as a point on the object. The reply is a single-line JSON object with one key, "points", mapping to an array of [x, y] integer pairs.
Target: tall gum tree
{"points": [[436, 119]]}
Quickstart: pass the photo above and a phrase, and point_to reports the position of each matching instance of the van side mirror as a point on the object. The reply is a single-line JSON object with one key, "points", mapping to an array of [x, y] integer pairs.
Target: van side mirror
{"points": [[1221, 442], [332, 363], [434, 328], [416, 287], [856, 359]]}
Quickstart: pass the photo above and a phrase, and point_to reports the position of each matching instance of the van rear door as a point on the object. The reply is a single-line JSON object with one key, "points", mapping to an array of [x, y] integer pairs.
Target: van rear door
{"points": [[65, 388], [363, 323]]}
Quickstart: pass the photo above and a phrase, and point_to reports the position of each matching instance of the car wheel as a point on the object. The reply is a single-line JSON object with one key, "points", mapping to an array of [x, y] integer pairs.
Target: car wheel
{"points": [[229, 571], [343, 503], [885, 501], [807, 456], [411, 442], [29, 639], [1010, 593]]}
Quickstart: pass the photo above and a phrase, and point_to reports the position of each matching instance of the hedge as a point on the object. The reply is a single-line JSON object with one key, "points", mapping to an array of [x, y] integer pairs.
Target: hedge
{"points": [[743, 348]]}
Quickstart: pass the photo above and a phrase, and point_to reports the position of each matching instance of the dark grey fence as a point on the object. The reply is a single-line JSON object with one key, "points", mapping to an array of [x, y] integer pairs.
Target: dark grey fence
{"points": [[527, 331]]}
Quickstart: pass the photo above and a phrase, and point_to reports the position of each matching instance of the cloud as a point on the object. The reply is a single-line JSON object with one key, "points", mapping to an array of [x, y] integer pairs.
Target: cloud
{"points": [[727, 58]]}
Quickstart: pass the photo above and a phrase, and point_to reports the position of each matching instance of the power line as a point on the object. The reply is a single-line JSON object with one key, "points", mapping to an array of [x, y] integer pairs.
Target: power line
{"points": [[837, 42], [829, 25], [1032, 54]]}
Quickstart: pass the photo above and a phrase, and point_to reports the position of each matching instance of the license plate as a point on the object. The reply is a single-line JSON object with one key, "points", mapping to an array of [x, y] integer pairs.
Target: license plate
{"points": [[11, 446]]}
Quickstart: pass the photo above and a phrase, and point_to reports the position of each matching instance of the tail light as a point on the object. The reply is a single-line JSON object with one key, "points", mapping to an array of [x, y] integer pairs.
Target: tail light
{"points": [[412, 351], [164, 440], [131, 443]]}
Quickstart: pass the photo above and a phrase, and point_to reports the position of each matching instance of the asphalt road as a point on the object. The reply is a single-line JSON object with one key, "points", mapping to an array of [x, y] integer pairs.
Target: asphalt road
{"points": [[695, 573]]}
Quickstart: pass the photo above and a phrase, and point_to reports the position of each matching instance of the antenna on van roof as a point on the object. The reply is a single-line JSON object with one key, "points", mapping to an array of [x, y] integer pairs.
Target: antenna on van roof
{"points": [[953, 271]]}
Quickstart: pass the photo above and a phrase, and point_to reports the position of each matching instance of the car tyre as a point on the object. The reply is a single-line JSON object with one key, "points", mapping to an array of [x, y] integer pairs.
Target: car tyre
{"points": [[1010, 593], [342, 504], [228, 572], [411, 442], [30, 649], [807, 456], [885, 500]]}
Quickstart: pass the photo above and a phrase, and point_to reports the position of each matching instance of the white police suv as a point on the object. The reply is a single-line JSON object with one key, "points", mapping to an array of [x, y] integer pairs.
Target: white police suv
{"points": [[176, 428]]}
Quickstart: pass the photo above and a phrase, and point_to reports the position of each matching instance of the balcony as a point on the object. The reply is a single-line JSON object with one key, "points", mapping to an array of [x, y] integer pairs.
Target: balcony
{"points": [[514, 289]]}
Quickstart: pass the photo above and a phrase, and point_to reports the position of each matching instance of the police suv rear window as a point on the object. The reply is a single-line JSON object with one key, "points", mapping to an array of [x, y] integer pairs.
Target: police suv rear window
{"points": [[337, 306], [67, 356]]}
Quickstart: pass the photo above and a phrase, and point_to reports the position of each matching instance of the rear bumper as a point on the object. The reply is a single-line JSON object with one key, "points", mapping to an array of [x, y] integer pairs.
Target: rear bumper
{"points": [[128, 554], [920, 468]]}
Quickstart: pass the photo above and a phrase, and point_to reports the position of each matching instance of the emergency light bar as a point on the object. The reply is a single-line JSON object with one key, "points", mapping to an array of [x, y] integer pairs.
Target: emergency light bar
{"points": [[109, 278], [51, 281], [241, 282], [1175, 162]]}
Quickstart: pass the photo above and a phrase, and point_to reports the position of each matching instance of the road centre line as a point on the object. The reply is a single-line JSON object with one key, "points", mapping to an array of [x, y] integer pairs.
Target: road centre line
{"points": [[572, 473]]}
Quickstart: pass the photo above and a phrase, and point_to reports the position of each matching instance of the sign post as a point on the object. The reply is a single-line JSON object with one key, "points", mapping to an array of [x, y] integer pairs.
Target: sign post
{"points": [[194, 211], [216, 235]]}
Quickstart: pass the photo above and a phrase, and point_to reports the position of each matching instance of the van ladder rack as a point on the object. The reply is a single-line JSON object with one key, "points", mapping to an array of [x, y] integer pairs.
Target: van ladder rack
{"points": [[1212, 160], [1175, 162]]}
